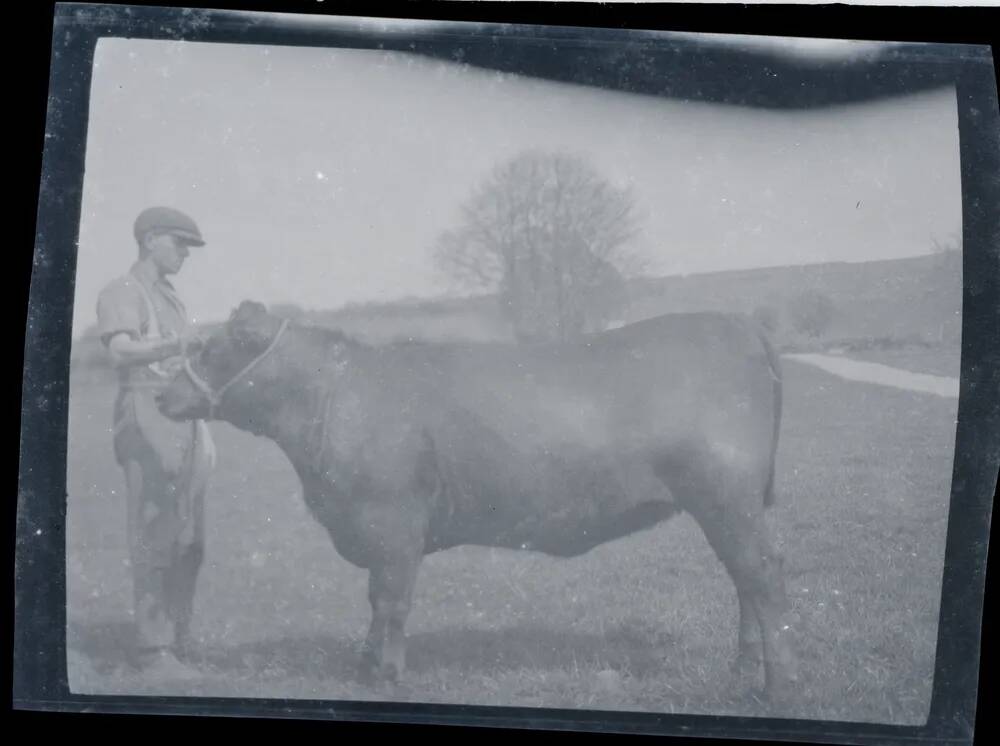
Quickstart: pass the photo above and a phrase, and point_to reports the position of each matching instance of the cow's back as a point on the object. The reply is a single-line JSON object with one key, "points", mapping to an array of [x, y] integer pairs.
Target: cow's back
{"points": [[623, 389]]}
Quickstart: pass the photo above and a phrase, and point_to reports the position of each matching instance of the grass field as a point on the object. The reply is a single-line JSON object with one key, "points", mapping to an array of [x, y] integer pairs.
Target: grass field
{"points": [[643, 623]]}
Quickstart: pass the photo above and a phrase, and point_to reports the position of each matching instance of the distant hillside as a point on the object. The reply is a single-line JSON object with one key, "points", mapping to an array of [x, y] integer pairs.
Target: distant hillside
{"points": [[914, 301], [911, 299], [448, 319]]}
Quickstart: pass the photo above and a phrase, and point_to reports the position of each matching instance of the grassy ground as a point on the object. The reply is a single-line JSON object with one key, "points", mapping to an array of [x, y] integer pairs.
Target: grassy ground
{"points": [[643, 623]]}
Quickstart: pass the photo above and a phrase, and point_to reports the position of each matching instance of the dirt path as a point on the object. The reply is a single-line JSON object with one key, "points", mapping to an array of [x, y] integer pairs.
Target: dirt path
{"points": [[883, 375]]}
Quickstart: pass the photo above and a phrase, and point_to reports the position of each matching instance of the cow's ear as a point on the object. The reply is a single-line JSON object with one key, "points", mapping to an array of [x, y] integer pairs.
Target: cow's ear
{"points": [[247, 310], [246, 324]]}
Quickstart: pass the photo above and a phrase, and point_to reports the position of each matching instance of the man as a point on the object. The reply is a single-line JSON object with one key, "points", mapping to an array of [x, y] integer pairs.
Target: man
{"points": [[143, 324]]}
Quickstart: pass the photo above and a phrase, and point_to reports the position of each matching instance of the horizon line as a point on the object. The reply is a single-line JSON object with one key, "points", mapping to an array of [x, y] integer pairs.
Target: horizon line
{"points": [[439, 297]]}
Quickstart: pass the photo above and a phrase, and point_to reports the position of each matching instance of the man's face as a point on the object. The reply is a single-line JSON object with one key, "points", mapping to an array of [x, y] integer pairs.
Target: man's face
{"points": [[168, 252]]}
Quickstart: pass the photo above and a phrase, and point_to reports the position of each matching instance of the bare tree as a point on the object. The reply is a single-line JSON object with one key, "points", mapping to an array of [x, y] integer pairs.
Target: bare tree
{"points": [[551, 236], [812, 312], [951, 245], [947, 256]]}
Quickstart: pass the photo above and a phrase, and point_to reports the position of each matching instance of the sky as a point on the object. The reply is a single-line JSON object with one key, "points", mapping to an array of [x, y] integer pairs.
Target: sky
{"points": [[323, 176]]}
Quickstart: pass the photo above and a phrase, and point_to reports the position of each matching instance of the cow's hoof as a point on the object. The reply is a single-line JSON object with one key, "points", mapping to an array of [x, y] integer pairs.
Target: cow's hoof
{"points": [[368, 669], [783, 697], [389, 673], [387, 681], [745, 665]]}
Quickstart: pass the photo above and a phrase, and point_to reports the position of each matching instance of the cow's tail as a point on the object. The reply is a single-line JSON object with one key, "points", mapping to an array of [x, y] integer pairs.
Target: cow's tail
{"points": [[774, 363]]}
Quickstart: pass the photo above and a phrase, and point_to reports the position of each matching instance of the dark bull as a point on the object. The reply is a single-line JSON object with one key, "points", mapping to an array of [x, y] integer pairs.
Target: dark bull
{"points": [[408, 449]]}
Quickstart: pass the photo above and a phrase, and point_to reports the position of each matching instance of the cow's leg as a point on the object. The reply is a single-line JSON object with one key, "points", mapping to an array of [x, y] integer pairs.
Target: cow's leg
{"points": [[780, 666], [390, 591], [387, 537], [739, 537], [372, 650], [748, 655], [729, 512]]}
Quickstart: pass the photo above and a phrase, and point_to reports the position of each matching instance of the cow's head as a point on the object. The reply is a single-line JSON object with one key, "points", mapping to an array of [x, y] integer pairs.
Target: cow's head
{"points": [[214, 384]]}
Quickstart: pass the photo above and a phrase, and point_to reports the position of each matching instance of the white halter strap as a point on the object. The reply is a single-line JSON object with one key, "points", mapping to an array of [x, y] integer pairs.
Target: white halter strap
{"points": [[215, 397]]}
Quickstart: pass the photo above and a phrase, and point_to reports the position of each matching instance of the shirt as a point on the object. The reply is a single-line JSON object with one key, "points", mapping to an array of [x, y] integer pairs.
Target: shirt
{"points": [[142, 309], [147, 308]]}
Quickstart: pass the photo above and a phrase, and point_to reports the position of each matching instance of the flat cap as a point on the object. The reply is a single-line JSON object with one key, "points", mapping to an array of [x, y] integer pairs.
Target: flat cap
{"points": [[167, 220]]}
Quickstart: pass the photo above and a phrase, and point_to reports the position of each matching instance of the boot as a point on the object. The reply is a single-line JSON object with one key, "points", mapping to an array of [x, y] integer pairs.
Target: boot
{"points": [[161, 664]]}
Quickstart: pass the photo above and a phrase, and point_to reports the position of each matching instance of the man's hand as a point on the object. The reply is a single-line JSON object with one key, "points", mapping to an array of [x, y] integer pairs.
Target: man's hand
{"points": [[187, 344], [191, 343], [125, 351]]}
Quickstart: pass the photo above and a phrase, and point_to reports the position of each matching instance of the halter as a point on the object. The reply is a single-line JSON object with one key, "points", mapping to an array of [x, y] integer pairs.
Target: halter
{"points": [[215, 397]]}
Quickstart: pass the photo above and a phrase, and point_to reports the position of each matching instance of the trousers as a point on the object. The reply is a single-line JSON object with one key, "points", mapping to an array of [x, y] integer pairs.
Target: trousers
{"points": [[167, 467]]}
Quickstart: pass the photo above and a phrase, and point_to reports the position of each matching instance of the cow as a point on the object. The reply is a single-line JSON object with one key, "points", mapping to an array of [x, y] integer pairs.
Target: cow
{"points": [[406, 449]]}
